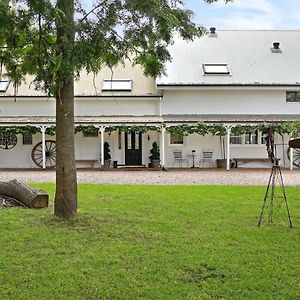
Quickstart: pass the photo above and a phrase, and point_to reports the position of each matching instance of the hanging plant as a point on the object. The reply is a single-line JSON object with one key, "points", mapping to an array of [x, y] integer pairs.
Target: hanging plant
{"points": [[183, 129], [51, 130], [89, 130], [19, 129], [217, 129], [139, 128]]}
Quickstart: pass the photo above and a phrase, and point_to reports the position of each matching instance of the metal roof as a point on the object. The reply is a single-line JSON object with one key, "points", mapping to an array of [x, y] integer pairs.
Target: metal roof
{"points": [[111, 120], [229, 118], [248, 54], [144, 120]]}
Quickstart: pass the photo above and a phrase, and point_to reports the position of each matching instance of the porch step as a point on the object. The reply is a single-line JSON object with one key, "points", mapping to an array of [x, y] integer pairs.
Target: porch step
{"points": [[132, 167]]}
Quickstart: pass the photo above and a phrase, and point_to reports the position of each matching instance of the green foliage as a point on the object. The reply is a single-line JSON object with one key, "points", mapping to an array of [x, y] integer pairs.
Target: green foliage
{"points": [[293, 128], [39, 38], [107, 155], [220, 129], [19, 129], [87, 129], [152, 242], [155, 155], [126, 128]]}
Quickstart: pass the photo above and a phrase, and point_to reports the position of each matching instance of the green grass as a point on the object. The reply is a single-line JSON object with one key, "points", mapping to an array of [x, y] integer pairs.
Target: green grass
{"points": [[152, 242]]}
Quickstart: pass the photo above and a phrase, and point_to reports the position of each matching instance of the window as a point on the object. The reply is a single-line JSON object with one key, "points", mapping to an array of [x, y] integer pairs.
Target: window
{"points": [[292, 96], [263, 138], [4, 85], [216, 69], [249, 138], [117, 85], [236, 139], [27, 139], [176, 139]]}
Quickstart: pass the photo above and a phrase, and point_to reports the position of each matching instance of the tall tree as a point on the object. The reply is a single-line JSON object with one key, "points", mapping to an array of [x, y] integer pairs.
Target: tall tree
{"points": [[44, 39]]}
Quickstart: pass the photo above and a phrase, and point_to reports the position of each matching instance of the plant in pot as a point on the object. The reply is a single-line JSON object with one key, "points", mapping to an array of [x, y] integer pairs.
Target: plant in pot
{"points": [[107, 156], [220, 131], [155, 156]]}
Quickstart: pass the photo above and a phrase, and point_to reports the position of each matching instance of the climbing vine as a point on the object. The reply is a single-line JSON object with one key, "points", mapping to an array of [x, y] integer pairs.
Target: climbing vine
{"points": [[125, 128], [291, 127]]}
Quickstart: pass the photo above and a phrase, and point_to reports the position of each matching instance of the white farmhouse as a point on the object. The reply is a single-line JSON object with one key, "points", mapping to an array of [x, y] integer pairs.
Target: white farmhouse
{"points": [[225, 79]]}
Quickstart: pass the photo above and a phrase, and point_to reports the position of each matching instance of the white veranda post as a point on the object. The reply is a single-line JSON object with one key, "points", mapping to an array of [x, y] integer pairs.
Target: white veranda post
{"points": [[291, 158], [43, 130], [162, 146], [102, 129], [228, 131]]}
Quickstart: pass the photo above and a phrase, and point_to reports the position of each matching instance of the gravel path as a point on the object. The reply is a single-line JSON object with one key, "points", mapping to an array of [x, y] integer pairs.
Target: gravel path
{"points": [[171, 177]]}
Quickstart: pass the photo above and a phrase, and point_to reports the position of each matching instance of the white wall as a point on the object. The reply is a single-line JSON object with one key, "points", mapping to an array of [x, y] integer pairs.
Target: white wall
{"points": [[227, 102], [116, 107], [20, 155], [83, 107]]}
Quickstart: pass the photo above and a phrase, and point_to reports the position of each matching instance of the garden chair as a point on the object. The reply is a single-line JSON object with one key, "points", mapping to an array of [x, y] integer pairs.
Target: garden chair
{"points": [[207, 156], [179, 159]]}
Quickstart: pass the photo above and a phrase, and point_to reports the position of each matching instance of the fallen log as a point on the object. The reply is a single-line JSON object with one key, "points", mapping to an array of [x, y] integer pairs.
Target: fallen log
{"points": [[31, 198]]}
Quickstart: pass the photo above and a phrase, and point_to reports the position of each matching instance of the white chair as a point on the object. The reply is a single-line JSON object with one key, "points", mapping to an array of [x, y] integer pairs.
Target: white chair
{"points": [[207, 155], [179, 159]]}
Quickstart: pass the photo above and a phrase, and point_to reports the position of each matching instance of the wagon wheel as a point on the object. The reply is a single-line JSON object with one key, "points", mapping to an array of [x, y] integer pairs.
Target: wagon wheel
{"points": [[50, 151], [296, 156]]}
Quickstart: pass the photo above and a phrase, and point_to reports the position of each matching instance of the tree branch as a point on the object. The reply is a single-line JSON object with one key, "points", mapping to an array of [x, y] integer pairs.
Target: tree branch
{"points": [[92, 11]]}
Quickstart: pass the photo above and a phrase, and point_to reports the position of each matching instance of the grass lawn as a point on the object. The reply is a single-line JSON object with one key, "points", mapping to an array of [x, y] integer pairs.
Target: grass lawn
{"points": [[152, 242]]}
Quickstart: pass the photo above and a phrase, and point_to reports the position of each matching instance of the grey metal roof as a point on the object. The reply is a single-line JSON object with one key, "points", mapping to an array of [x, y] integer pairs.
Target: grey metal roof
{"points": [[248, 54], [45, 120], [142, 120], [229, 118]]}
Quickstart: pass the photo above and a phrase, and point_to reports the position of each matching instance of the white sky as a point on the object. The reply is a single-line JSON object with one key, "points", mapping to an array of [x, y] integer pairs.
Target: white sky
{"points": [[243, 14], [247, 14]]}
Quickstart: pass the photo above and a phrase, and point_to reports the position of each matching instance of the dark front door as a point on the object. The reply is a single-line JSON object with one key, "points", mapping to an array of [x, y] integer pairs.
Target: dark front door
{"points": [[133, 148]]}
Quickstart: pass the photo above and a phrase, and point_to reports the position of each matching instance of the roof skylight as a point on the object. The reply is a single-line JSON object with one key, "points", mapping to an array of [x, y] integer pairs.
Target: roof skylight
{"points": [[117, 85], [216, 69]]}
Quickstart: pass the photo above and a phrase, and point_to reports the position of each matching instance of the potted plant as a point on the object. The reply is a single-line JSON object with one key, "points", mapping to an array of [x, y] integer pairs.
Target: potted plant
{"points": [[155, 156], [222, 163], [107, 156]]}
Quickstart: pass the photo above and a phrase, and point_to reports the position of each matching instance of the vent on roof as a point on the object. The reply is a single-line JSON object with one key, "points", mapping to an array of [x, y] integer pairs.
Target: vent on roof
{"points": [[4, 85], [212, 32], [276, 47], [216, 69], [117, 85]]}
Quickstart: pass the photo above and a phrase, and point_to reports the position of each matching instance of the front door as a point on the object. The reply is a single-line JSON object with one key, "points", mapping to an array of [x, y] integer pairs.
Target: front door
{"points": [[133, 148]]}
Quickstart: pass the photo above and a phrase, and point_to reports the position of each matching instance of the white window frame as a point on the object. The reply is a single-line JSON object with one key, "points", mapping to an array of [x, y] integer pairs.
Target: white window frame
{"points": [[177, 145], [296, 95], [4, 83], [243, 140], [216, 69], [124, 85]]}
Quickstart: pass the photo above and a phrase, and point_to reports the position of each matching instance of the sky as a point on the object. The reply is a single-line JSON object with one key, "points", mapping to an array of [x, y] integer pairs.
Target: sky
{"points": [[247, 14]]}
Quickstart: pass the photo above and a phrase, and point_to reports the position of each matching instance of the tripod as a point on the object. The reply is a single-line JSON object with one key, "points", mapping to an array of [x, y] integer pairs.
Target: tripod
{"points": [[272, 201]]}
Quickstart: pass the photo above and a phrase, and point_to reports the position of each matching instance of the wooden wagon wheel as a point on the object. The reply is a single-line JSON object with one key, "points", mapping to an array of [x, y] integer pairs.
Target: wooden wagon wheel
{"points": [[50, 151], [296, 156]]}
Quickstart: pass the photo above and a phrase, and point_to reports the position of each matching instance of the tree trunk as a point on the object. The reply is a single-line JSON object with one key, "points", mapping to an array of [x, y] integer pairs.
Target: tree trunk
{"points": [[66, 182], [65, 204], [29, 197]]}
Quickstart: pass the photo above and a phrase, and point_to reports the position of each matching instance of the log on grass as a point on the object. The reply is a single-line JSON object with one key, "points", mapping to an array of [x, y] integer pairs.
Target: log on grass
{"points": [[30, 197]]}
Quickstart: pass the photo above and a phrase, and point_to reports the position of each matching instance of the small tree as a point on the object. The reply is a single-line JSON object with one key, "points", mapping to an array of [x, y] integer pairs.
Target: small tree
{"points": [[106, 151], [155, 155]]}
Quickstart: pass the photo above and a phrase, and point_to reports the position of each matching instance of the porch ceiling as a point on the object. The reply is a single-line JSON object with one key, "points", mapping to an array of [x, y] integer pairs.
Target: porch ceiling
{"points": [[219, 118], [148, 120]]}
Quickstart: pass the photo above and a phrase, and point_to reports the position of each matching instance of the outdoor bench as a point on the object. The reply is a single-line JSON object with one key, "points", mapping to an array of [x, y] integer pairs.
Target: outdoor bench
{"points": [[243, 160], [89, 161]]}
